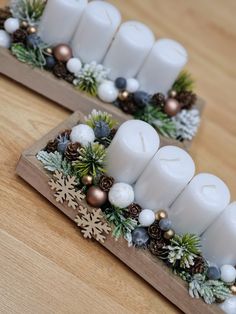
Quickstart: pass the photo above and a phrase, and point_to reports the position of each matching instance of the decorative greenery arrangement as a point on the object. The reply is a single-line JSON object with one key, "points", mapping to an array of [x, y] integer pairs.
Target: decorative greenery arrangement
{"points": [[28, 10], [33, 57], [184, 83]]}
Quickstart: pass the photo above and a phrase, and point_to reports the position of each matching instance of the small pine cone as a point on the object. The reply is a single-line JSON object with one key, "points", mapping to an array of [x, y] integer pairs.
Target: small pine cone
{"points": [[113, 133], [5, 13], [128, 105], [106, 183], [60, 70], [133, 211], [72, 151], [19, 36], [51, 146], [154, 231], [199, 266], [158, 100], [187, 99], [66, 133], [157, 248], [69, 78]]}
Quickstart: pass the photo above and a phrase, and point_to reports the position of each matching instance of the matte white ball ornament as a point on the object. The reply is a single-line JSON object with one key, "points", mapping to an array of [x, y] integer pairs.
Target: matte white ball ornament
{"points": [[229, 306], [121, 195], [132, 85], [74, 65], [228, 273], [107, 92], [11, 25], [82, 134], [5, 39], [146, 217]]}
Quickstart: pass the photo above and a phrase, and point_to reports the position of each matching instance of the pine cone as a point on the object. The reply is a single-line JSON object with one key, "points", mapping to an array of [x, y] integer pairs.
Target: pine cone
{"points": [[158, 100], [65, 133], [72, 151], [199, 266], [51, 146], [69, 78], [128, 105], [154, 231], [157, 248], [187, 99], [106, 183], [19, 36], [133, 211], [60, 70], [5, 13]]}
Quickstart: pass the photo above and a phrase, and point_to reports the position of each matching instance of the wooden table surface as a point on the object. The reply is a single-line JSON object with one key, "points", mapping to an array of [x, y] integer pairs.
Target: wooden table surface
{"points": [[46, 266]]}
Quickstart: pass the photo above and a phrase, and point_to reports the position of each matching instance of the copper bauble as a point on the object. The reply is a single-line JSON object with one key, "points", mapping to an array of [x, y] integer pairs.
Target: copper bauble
{"points": [[173, 93], [123, 95], [24, 24], [161, 214], [31, 30], [87, 180], [169, 234], [172, 107], [233, 289], [62, 52], [96, 197]]}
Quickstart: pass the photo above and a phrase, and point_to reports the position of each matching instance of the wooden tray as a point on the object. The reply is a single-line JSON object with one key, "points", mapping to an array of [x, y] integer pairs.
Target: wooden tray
{"points": [[142, 262], [65, 94]]}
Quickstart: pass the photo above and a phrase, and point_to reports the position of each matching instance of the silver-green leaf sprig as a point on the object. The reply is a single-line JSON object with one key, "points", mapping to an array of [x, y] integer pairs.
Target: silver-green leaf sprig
{"points": [[54, 161], [183, 250], [28, 10]]}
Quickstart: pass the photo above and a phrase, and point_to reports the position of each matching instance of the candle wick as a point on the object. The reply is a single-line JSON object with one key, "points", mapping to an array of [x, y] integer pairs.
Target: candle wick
{"points": [[142, 142]]}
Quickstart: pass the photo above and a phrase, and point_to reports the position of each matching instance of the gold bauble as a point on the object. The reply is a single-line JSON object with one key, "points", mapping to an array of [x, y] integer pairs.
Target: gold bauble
{"points": [[96, 197], [233, 289], [123, 95], [161, 214], [31, 30], [24, 24], [172, 107], [62, 52], [173, 93], [169, 234], [48, 51], [87, 180]]}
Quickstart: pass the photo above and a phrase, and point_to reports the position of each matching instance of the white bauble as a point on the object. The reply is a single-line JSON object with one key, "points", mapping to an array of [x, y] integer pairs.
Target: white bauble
{"points": [[107, 92], [11, 25], [229, 306], [132, 85], [74, 65], [121, 195], [228, 273], [146, 217], [5, 39], [82, 134]]}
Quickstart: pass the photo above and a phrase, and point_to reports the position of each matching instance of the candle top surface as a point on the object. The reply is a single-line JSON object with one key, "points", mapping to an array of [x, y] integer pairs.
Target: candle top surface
{"points": [[139, 136], [138, 33], [211, 189], [171, 51], [176, 162], [73, 3], [103, 12]]}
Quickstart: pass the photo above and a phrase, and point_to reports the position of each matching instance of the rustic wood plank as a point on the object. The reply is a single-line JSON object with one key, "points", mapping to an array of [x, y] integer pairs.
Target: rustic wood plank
{"points": [[145, 265]]}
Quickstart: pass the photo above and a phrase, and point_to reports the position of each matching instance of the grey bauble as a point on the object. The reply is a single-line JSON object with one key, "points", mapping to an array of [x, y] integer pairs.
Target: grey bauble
{"points": [[140, 237], [213, 273], [101, 129], [165, 224]]}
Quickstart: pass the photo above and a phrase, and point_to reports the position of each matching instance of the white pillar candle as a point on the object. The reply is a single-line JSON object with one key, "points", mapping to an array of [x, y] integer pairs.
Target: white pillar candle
{"points": [[129, 49], [162, 66], [164, 178], [96, 31], [218, 241], [132, 148], [60, 19], [199, 204]]}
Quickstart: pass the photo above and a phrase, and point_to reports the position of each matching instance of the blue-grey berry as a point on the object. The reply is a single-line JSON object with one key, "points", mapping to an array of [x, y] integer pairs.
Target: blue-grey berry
{"points": [[101, 129], [33, 41], [213, 273], [121, 83], [140, 237], [63, 142], [165, 224], [141, 99], [50, 62]]}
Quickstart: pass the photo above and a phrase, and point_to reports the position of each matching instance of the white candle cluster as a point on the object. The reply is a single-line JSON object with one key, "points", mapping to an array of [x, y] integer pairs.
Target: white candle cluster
{"points": [[129, 50]]}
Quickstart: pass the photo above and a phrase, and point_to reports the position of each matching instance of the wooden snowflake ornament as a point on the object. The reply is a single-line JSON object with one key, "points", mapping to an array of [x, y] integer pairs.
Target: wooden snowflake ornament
{"points": [[92, 223], [65, 187]]}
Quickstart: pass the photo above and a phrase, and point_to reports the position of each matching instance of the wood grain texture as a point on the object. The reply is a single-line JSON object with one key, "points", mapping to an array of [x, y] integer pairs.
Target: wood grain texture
{"points": [[208, 30], [140, 261]]}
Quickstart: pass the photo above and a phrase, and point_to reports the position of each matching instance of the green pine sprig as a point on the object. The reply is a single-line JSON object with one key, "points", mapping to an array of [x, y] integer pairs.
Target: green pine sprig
{"points": [[209, 290], [91, 161], [33, 57], [88, 84], [158, 119], [184, 82], [183, 250], [97, 116], [29, 10]]}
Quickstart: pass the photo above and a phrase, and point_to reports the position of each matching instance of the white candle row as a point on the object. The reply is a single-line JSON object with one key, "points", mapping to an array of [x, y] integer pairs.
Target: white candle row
{"points": [[164, 179], [91, 28]]}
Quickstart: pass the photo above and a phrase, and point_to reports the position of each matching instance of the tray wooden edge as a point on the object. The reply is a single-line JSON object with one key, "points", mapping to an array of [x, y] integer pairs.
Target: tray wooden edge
{"points": [[62, 93], [141, 262]]}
